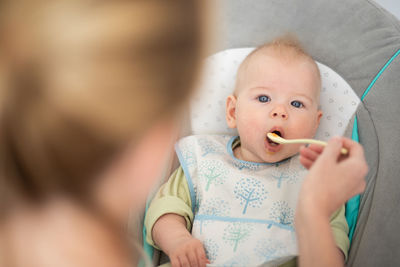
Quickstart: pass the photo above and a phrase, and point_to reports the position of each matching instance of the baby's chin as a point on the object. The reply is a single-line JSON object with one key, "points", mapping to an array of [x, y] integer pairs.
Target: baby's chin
{"points": [[275, 157]]}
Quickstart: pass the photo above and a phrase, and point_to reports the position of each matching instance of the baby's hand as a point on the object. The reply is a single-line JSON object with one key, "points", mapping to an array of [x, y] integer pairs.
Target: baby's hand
{"points": [[188, 252], [170, 234]]}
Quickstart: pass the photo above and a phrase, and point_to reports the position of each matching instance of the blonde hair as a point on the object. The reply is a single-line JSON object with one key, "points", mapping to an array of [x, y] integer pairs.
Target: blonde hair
{"points": [[286, 47], [81, 78]]}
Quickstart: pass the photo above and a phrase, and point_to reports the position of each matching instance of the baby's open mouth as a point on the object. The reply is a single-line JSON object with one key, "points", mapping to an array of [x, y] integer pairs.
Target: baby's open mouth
{"points": [[272, 143]]}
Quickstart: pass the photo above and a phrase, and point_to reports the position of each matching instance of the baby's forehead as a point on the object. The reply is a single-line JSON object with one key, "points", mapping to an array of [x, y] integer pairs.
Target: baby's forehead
{"points": [[270, 54], [261, 59]]}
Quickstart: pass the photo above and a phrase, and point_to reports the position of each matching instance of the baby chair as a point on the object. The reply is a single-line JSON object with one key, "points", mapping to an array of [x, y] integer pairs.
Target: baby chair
{"points": [[360, 41]]}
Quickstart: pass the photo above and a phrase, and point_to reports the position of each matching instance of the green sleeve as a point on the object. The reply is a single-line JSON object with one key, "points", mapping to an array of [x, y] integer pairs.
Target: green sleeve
{"points": [[172, 197], [340, 231]]}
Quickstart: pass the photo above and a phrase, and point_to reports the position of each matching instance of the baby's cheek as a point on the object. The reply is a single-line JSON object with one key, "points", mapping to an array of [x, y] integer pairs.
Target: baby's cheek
{"points": [[249, 129], [313, 125], [249, 120], [306, 127]]}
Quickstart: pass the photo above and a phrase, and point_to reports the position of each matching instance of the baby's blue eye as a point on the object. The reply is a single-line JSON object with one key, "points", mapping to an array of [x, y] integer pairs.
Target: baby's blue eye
{"points": [[264, 98], [297, 104]]}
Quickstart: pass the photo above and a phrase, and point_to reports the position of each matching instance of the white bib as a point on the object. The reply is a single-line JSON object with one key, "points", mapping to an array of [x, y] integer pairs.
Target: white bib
{"points": [[244, 211]]}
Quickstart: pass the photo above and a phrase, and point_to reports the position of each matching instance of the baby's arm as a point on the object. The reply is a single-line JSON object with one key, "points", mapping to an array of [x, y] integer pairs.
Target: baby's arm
{"points": [[170, 234], [168, 222]]}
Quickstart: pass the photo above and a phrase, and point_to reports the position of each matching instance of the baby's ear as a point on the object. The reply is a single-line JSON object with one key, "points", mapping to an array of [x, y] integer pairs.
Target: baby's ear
{"points": [[319, 116], [230, 111]]}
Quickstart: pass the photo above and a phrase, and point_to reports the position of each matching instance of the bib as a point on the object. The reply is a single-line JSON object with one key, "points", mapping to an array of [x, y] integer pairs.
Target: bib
{"points": [[244, 211]]}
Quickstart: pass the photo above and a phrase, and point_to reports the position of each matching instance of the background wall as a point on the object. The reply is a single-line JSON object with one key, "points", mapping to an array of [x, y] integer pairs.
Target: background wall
{"points": [[393, 6]]}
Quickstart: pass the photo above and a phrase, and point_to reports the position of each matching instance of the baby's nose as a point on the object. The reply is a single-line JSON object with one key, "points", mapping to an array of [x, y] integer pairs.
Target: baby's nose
{"points": [[279, 112]]}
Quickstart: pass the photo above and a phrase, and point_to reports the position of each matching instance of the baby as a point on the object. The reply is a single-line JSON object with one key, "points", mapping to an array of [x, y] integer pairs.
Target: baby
{"points": [[232, 200]]}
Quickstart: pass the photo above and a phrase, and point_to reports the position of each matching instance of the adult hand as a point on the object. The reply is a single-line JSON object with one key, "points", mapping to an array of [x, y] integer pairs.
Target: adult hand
{"points": [[331, 181], [333, 178]]}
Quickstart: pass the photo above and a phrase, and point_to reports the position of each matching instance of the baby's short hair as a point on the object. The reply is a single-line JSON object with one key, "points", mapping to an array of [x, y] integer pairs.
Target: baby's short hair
{"points": [[286, 47]]}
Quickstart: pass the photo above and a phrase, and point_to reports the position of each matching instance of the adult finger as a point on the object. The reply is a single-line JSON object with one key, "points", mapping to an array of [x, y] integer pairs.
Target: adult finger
{"points": [[332, 150], [307, 163], [309, 153], [317, 148], [356, 156], [354, 148]]}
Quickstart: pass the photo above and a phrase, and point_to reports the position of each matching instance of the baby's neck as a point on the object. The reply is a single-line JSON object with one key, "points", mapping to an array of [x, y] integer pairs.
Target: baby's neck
{"points": [[237, 151], [245, 155]]}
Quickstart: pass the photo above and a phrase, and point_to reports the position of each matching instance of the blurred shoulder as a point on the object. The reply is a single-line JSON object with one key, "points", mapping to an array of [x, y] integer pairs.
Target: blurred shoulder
{"points": [[60, 234]]}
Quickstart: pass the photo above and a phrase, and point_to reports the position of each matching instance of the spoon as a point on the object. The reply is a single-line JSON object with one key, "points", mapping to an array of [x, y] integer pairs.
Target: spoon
{"points": [[277, 139]]}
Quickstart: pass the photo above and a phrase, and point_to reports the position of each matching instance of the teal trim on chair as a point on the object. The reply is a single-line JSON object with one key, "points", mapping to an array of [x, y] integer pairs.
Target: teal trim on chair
{"points": [[352, 206], [379, 74], [148, 249], [354, 134]]}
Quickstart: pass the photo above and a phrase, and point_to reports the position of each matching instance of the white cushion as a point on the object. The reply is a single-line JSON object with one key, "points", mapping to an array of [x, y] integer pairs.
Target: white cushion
{"points": [[338, 100]]}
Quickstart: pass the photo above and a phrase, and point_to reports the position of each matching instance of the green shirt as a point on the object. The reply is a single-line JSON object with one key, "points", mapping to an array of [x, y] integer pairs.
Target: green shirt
{"points": [[174, 197]]}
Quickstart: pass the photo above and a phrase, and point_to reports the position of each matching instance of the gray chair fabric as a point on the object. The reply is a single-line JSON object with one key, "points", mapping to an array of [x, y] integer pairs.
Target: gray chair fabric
{"points": [[355, 38]]}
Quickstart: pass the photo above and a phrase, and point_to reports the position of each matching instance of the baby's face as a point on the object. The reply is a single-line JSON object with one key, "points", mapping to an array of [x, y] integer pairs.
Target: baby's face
{"points": [[274, 96]]}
